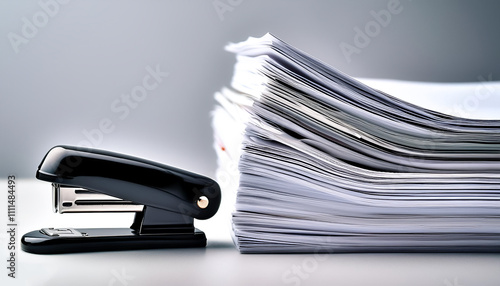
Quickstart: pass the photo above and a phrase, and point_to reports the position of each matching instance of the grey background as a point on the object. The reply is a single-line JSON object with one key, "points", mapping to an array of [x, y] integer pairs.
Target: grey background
{"points": [[65, 79]]}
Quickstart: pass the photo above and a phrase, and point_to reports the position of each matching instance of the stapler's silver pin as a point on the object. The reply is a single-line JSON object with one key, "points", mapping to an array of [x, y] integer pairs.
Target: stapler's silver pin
{"points": [[202, 202], [67, 199]]}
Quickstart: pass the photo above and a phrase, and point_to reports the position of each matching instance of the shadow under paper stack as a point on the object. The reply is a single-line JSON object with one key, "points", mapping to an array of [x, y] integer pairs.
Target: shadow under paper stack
{"points": [[328, 164]]}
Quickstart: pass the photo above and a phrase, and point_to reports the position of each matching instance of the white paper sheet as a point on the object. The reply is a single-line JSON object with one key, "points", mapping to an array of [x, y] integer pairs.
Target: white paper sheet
{"points": [[324, 160]]}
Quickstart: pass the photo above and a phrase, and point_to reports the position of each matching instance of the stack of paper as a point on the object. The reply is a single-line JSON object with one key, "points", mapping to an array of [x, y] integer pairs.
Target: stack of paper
{"points": [[324, 163]]}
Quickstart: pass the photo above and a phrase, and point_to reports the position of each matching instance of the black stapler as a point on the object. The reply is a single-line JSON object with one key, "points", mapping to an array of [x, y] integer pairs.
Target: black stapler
{"points": [[165, 201]]}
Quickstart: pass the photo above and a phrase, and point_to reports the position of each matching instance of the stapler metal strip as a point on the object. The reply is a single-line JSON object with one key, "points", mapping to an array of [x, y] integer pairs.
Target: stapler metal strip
{"points": [[165, 201], [67, 199]]}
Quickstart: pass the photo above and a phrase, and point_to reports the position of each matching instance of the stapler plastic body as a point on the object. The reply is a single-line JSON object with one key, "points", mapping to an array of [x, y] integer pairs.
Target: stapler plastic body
{"points": [[165, 200]]}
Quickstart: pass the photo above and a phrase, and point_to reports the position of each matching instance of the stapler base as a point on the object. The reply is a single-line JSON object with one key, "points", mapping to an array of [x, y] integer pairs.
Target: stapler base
{"points": [[69, 240]]}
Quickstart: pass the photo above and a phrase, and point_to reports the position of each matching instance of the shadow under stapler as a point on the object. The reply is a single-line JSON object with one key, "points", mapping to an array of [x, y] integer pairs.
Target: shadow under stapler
{"points": [[220, 244]]}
